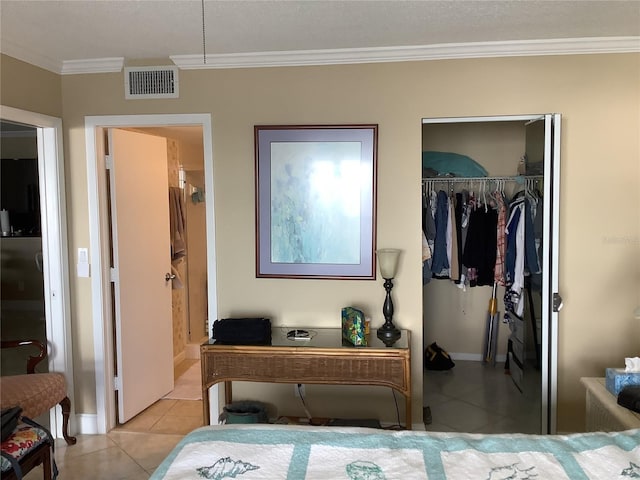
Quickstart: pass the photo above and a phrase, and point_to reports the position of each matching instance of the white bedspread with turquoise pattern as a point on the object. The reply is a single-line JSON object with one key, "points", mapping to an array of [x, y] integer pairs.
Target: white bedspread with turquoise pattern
{"points": [[273, 452]]}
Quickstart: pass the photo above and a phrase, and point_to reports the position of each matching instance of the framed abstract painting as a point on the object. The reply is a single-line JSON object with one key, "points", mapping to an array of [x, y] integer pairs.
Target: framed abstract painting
{"points": [[316, 201]]}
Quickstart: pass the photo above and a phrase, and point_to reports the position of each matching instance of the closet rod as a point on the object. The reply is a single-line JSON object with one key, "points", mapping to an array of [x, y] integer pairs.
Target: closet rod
{"points": [[517, 178]]}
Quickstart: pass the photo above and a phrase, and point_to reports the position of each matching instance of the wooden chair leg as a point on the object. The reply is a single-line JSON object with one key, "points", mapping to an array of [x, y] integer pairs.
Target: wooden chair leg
{"points": [[66, 410], [46, 464]]}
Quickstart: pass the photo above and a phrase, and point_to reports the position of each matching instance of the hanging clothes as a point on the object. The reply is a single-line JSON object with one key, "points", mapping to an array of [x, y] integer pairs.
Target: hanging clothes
{"points": [[538, 230], [428, 235], [459, 240], [440, 261], [482, 240], [514, 262], [462, 222], [531, 253], [452, 243], [501, 241], [177, 224], [521, 254], [480, 247]]}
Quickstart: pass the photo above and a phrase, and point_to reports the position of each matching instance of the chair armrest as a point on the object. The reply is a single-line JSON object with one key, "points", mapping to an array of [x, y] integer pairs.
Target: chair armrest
{"points": [[31, 361]]}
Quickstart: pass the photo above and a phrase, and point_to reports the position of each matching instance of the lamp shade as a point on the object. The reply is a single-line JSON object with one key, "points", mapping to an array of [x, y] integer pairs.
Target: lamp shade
{"points": [[388, 261]]}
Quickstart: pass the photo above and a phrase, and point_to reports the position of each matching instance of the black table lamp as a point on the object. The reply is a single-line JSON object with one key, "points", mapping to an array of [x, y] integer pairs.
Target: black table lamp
{"points": [[388, 263]]}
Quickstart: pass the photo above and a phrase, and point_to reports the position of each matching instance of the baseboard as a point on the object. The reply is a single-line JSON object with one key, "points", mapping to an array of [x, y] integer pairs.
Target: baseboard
{"points": [[474, 357], [86, 423], [178, 359]]}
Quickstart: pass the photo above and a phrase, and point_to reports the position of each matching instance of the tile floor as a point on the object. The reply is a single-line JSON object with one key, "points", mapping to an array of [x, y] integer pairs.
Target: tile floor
{"points": [[131, 451], [167, 415], [480, 398], [471, 397]]}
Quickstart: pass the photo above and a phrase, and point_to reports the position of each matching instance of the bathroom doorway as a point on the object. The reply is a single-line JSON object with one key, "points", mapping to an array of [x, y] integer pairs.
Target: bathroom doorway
{"points": [[186, 177], [168, 127]]}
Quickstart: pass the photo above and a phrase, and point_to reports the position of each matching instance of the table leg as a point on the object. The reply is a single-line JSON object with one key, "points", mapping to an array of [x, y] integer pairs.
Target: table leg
{"points": [[228, 394], [205, 406]]}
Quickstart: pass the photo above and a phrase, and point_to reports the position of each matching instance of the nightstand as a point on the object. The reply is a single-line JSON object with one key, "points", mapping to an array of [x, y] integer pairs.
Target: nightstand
{"points": [[603, 412]]}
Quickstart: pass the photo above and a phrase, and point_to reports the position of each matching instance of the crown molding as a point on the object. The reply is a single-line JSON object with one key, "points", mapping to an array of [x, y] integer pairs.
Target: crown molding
{"points": [[570, 46], [565, 46], [66, 67], [93, 65]]}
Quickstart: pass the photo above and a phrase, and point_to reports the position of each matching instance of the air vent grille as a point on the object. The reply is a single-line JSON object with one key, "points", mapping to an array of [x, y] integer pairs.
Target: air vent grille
{"points": [[150, 82]]}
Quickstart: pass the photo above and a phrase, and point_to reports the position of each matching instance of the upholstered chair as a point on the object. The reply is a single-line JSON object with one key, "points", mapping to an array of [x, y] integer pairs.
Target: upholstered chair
{"points": [[36, 393]]}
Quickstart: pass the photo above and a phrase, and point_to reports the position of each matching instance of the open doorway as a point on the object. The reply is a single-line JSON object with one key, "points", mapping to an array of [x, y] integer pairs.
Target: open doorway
{"points": [[159, 280], [21, 271], [480, 174], [186, 178], [165, 126], [45, 293]]}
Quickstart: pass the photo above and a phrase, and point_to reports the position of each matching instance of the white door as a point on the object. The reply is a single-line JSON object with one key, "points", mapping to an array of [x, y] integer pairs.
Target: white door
{"points": [[141, 258]]}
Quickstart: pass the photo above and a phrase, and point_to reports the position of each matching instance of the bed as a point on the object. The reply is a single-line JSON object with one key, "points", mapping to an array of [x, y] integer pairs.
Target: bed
{"points": [[272, 452]]}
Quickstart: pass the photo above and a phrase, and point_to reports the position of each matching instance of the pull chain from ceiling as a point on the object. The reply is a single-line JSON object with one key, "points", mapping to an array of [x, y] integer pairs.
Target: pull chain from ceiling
{"points": [[204, 43]]}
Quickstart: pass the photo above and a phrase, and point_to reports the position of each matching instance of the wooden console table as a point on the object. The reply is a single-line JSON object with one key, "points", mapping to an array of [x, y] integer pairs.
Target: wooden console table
{"points": [[321, 360]]}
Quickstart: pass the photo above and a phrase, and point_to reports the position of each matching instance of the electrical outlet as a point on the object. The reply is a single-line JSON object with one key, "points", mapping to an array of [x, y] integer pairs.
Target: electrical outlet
{"points": [[298, 389]]}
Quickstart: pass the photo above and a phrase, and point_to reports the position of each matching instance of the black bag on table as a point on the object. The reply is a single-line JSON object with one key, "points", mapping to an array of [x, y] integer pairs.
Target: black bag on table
{"points": [[242, 331]]}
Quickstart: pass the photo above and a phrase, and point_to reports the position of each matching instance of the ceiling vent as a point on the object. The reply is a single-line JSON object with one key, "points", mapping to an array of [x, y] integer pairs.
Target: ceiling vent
{"points": [[150, 82]]}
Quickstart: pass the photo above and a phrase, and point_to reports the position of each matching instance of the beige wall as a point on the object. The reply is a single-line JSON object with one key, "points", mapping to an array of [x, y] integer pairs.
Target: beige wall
{"points": [[598, 96], [29, 88]]}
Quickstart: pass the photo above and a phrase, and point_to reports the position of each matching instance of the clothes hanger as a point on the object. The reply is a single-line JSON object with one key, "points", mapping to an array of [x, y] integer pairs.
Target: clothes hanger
{"points": [[484, 196]]}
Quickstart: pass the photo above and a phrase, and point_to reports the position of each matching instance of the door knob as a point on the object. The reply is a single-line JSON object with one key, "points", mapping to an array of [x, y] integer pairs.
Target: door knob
{"points": [[169, 276]]}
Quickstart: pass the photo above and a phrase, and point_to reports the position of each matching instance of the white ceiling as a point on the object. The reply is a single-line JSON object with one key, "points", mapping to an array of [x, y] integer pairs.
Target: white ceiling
{"points": [[56, 34]]}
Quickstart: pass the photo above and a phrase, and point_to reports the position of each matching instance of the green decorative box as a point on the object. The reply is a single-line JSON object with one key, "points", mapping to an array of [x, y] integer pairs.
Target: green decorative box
{"points": [[353, 327]]}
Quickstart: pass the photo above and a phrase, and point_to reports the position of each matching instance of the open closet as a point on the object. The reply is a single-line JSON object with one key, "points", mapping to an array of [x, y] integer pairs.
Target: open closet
{"points": [[490, 297]]}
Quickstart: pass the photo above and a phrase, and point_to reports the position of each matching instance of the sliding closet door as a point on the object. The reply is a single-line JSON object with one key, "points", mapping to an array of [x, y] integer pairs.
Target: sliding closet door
{"points": [[551, 300], [543, 155]]}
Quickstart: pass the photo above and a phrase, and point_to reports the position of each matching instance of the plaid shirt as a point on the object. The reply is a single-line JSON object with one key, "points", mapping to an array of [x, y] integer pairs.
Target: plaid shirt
{"points": [[502, 240]]}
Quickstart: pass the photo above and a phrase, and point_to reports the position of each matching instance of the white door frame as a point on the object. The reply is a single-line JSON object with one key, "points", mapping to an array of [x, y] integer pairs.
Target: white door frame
{"points": [[99, 243], [55, 250], [549, 353]]}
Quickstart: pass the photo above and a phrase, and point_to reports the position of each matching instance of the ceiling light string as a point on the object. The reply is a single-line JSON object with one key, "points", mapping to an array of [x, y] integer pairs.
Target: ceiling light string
{"points": [[204, 42]]}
